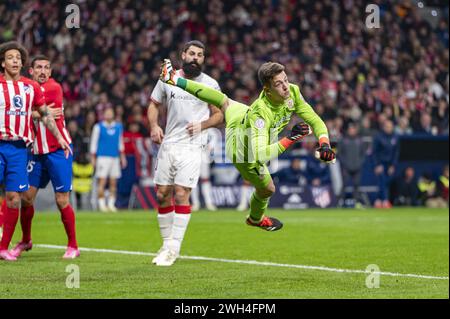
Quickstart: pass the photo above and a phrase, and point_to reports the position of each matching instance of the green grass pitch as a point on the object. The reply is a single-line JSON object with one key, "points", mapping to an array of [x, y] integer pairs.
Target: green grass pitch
{"points": [[399, 241]]}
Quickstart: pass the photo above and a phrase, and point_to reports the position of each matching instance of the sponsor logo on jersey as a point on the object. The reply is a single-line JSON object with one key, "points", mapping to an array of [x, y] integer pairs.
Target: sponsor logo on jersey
{"points": [[282, 120], [17, 100]]}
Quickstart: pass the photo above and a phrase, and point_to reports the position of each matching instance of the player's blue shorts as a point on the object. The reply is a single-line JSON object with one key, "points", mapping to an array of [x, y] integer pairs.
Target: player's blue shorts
{"points": [[53, 167], [13, 166]]}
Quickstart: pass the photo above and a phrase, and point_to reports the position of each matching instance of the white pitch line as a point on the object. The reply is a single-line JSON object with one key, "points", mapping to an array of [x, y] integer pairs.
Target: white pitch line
{"points": [[251, 262]]}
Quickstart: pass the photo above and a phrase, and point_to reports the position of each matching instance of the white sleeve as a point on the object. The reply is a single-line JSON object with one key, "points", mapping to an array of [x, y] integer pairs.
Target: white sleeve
{"points": [[158, 93], [94, 139], [121, 146], [216, 86]]}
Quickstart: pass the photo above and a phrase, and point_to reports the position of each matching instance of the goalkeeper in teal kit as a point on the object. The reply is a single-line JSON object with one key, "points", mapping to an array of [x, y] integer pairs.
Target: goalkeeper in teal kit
{"points": [[250, 130]]}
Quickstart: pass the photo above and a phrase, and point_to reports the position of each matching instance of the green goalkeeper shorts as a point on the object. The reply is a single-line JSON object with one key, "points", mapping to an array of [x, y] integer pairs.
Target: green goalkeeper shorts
{"points": [[255, 173]]}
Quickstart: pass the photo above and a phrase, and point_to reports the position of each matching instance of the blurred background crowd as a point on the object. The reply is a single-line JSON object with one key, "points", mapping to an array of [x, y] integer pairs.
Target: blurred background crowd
{"points": [[356, 78]]}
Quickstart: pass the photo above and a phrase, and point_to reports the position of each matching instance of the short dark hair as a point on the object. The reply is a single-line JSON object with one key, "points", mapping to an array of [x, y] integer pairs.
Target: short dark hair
{"points": [[12, 45], [194, 43], [39, 57], [268, 70]]}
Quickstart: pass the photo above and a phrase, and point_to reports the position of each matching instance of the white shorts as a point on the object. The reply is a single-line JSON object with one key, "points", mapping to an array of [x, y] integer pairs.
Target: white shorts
{"points": [[107, 166], [178, 164]]}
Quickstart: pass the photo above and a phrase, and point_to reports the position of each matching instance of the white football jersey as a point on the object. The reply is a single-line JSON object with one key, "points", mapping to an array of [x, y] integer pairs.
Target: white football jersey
{"points": [[183, 108]]}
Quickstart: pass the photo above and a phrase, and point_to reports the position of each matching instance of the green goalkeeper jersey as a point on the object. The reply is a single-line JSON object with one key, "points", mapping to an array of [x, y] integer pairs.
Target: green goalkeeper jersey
{"points": [[256, 135]]}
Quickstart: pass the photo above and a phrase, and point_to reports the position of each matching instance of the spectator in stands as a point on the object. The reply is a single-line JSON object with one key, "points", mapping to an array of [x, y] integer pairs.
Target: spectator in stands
{"points": [[442, 187], [403, 127], [294, 174], [385, 155], [317, 173], [405, 191], [352, 153], [426, 127], [428, 192]]}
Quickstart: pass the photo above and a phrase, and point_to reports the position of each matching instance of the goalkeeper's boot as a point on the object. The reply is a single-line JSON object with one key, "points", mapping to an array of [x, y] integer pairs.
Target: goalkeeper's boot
{"points": [[6, 255], [20, 248], [168, 257], [267, 223], [71, 253], [168, 74]]}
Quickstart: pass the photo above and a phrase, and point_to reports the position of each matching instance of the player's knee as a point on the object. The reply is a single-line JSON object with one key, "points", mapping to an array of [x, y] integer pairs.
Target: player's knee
{"points": [[163, 197], [13, 200], [62, 200], [268, 191], [182, 195], [26, 199]]}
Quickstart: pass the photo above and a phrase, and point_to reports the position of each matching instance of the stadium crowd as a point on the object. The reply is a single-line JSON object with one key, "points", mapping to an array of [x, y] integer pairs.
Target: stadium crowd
{"points": [[349, 73]]}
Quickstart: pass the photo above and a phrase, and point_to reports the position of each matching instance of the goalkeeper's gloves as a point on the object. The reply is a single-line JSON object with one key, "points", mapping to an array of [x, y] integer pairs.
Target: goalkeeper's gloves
{"points": [[168, 74], [325, 153], [299, 131]]}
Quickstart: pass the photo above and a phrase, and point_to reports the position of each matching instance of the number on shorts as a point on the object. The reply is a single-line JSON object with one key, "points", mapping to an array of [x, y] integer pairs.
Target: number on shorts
{"points": [[30, 166]]}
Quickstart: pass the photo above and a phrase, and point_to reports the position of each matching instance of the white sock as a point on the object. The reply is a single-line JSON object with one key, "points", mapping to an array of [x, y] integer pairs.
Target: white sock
{"points": [[112, 201], [206, 192], [101, 203], [165, 222], [180, 224], [244, 195], [195, 196]]}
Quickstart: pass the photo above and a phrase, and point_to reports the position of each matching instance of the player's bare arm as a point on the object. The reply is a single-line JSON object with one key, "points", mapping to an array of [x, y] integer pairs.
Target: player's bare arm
{"points": [[214, 120], [50, 124], [156, 132], [56, 112]]}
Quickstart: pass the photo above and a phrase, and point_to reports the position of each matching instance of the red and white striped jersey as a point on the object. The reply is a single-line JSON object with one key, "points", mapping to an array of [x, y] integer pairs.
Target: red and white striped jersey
{"points": [[45, 142], [17, 101]]}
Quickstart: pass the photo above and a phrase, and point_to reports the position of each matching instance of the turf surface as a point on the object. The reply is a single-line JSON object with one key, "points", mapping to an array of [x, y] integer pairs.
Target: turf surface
{"points": [[403, 241]]}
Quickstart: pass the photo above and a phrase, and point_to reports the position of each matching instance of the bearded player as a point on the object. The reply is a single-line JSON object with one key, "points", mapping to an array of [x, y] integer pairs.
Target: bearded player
{"points": [[252, 132], [179, 158], [48, 163], [19, 98]]}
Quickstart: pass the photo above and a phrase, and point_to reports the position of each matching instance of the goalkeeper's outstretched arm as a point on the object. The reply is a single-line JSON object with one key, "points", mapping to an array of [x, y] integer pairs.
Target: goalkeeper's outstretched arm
{"points": [[201, 91]]}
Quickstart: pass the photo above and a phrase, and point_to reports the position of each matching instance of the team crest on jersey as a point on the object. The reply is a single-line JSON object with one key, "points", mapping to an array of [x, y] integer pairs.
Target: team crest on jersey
{"points": [[27, 89], [111, 131], [17, 100], [259, 123], [290, 104]]}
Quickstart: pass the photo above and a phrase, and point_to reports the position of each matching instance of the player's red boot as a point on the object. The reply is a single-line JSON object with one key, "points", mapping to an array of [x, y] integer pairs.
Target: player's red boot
{"points": [[5, 255], [21, 247], [267, 223], [71, 253]]}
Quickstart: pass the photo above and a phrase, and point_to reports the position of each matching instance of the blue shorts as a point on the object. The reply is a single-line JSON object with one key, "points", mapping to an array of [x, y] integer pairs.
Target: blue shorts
{"points": [[13, 166], [53, 167]]}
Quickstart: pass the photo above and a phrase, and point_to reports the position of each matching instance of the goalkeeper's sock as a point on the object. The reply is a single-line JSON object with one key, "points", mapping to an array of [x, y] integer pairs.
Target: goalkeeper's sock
{"points": [[202, 92], [165, 222], [207, 192], [258, 207], [180, 223]]}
